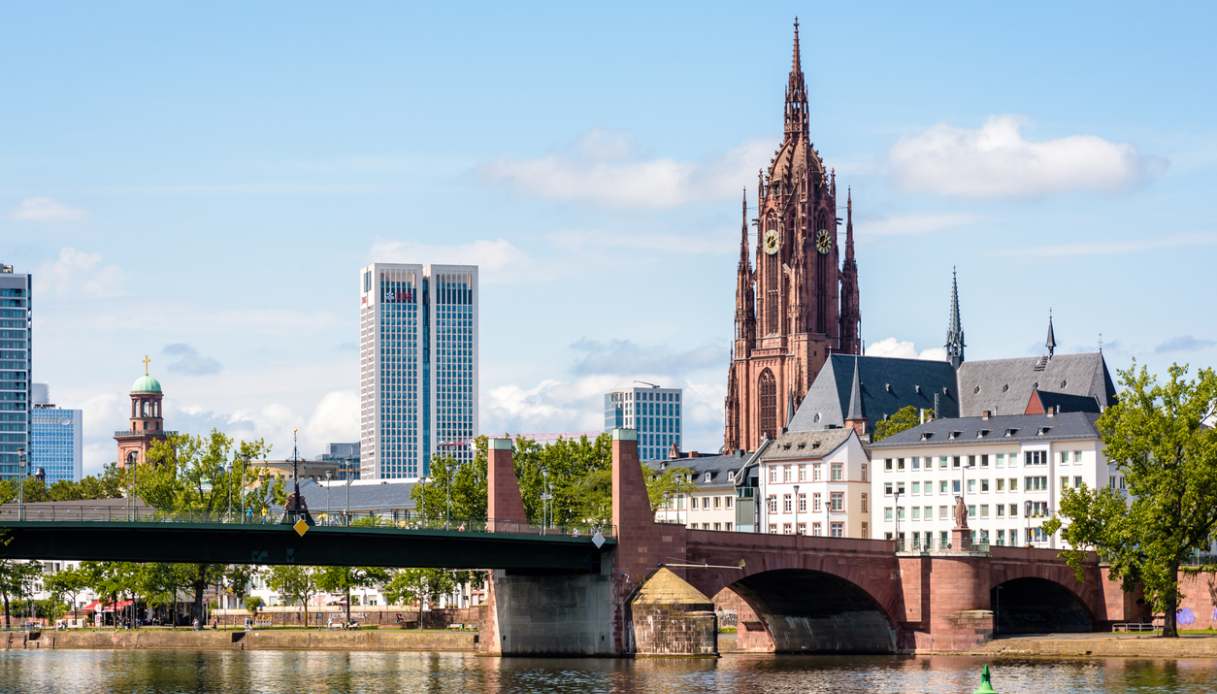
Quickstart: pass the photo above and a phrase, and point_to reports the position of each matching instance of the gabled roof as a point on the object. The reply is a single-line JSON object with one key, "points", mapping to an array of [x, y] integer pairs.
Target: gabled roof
{"points": [[793, 445], [1003, 386], [1042, 401], [972, 430], [887, 384]]}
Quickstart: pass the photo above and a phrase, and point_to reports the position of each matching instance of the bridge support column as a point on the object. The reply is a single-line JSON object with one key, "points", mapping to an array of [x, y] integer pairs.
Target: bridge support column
{"points": [[960, 616]]}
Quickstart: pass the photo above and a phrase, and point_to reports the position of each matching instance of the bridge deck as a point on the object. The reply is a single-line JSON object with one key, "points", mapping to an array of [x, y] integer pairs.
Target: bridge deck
{"points": [[226, 543]]}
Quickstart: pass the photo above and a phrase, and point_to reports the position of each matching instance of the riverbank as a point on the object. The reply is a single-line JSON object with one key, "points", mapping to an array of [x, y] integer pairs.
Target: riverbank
{"points": [[256, 640], [1101, 646]]}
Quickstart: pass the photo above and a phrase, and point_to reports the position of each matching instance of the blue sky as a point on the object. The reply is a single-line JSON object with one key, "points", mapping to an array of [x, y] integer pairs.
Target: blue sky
{"points": [[201, 184]]}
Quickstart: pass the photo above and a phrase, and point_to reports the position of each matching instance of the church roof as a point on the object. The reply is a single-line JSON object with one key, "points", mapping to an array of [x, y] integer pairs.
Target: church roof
{"points": [[887, 384], [1061, 402], [1003, 386]]}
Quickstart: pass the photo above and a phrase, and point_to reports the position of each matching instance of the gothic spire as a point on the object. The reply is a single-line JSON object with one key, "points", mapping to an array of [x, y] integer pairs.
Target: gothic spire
{"points": [[849, 226], [1051, 342], [745, 298], [955, 341], [796, 92], [743, 234]]}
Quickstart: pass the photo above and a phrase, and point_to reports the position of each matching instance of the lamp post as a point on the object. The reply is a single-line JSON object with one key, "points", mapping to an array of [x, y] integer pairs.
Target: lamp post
{"points": [[347, 516], [328, 476], [796, 509], [1027, 518]]}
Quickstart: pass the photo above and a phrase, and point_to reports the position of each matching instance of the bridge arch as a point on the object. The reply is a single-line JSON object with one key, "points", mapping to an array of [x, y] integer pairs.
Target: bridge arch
{"points": [[1038, 605], [810, 611]]}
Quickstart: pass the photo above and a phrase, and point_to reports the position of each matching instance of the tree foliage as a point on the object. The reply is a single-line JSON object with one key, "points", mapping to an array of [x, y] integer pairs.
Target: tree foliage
{"points": [[295, 583], [902, 419], [576, 472], [1160, 437], [342, 579], [66, 585], [17, 583], [418, 585], [107, 485]]}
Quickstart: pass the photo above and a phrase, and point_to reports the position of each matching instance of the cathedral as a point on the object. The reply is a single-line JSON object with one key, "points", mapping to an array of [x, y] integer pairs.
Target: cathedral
{"points": [[799, 304]]}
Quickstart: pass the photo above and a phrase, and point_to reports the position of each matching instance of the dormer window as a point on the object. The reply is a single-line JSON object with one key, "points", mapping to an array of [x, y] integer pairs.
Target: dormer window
{"points": [[1043, 430], [982, 433], [709, 476], [926, 435], [955, 434], [1011, 432]]}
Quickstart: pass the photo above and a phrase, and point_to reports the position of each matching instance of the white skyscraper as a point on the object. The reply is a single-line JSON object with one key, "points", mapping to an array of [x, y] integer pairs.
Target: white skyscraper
{"points": [[418, 353]]}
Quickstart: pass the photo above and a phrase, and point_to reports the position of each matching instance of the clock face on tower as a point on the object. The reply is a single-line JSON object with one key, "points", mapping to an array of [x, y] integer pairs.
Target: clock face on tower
{"points": [[823, 241], [771, 241]]}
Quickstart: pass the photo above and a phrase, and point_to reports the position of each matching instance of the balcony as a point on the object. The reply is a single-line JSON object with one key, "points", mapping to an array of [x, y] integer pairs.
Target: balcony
{"points": [[129, 433]]}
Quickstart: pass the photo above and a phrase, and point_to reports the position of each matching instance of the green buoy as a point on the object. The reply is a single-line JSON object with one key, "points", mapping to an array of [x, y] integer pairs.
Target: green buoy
{"points": [[986, 687]]}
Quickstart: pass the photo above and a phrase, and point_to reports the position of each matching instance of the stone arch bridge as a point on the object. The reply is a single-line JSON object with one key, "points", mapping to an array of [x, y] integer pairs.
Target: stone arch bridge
{"points": [[794, 594]]}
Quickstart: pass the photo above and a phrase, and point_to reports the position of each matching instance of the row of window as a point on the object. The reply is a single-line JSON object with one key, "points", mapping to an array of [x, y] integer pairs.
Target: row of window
{"points": [[836, 502], [1031, 483], [836, 529], [798, 473], [979, 460], [1033, 509], [1001, 537]]}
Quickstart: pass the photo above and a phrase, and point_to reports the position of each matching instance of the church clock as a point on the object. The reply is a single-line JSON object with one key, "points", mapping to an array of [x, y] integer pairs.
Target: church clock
{"points": [[771, 241], [823, 241]]}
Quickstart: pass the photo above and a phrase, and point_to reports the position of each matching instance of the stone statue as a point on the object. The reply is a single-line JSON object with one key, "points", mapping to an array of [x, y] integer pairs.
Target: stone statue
{"points": [[961, 513]]}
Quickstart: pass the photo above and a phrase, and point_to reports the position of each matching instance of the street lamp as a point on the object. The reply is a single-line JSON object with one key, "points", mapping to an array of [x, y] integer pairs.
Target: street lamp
{"points": [[1027, 518], [796, 509], [328, 476]]}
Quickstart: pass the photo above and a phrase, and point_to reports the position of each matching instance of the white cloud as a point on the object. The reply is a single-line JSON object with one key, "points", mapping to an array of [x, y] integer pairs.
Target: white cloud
{"points": [[603, 168], [45, 210], [334, 419], [905, 349], [915, 224], [80, 275], [499, 261], [1142, 245], [658, 242], [996, 160]]}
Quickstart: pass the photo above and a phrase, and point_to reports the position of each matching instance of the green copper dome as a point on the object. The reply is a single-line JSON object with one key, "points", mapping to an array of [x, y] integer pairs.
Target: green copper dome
{"points": [[146, 384]]}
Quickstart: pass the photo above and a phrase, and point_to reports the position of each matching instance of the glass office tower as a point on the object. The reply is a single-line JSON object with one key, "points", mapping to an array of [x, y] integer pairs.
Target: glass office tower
{"points": [[654, 412], [418, 367], [55, 439], [16, 342]]}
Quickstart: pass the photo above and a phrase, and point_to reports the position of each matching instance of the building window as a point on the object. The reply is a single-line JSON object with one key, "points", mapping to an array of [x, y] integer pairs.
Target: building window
{"points": [[838, 471], [838, 529], [785, 528], [816, 473], [769, 401], [773, 474], [785, 473], [772, 502], [1035, 457], [802, 473], [837, 499], [802, 503], [786, 503], [865, 502], [727, 501], [815, 502], [817, 529], [865, 529]]}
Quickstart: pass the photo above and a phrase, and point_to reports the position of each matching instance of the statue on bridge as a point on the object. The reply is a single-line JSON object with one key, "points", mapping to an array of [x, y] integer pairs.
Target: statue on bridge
{"points": [[961, 513]]}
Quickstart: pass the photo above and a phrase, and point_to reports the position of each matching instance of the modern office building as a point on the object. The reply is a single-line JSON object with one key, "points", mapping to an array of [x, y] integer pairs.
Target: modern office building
{"points": [[652, 411], [55, 439], [418, 355], [16, 342], [1010, 471], [346, 457]]}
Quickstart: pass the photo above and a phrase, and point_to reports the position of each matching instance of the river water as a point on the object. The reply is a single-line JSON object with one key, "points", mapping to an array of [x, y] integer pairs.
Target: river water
{"points": [[47, 672]]}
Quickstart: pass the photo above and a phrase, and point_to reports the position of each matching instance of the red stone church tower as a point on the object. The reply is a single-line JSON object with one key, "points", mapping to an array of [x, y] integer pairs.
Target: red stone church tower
{"points": [[800, 303], [147, 421]]}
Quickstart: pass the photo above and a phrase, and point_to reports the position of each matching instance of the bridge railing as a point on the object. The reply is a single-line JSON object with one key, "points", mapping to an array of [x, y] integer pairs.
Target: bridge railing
{"points": [[116, 513]]}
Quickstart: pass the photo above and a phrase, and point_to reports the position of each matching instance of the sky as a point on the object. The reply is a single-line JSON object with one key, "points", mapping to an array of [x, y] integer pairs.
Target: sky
{"points": [[201, 183]]}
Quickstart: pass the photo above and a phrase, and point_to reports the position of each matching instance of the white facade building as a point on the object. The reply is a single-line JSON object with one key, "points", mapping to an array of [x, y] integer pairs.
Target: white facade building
{"points": [[654, 412], [815, 483], [1010, 470], [418, 356]]}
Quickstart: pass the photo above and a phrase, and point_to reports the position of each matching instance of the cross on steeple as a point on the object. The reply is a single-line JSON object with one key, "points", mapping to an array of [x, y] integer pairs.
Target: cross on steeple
{"points": [[147, 361]]}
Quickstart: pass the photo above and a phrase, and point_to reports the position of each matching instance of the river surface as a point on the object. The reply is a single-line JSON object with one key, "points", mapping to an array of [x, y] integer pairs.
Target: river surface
{"points": [[46, 672]]}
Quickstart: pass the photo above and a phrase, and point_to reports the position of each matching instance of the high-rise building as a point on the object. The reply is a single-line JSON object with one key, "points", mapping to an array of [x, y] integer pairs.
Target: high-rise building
{"points": [[16, 343], [55, 439], [801, 303], [652, 411], [418, 353]]}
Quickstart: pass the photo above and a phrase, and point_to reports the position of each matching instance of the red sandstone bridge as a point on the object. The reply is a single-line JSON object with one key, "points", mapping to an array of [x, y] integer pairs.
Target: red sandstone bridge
{"points": [[794, 594]]}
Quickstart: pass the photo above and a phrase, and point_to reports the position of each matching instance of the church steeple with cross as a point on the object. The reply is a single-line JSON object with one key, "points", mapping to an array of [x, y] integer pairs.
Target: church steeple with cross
{"points": [[147, 422]]}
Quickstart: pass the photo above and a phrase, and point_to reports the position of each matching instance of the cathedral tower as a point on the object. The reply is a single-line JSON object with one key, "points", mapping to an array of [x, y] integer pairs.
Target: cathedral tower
{"points": [[800, 302]]}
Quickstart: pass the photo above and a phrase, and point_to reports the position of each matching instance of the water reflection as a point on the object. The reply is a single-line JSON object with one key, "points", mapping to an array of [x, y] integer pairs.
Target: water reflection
{"points": [[143, 671]]}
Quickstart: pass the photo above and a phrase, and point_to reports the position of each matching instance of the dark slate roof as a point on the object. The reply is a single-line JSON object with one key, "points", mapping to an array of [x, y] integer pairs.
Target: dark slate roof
{"points": [[367, 496], [888, 384], [1064, 402], [720, 467], [794, 445], [1025, 427], [1003, 386]]}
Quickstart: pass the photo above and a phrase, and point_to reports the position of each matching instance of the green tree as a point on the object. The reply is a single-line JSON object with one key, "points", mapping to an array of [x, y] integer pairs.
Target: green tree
{"points": [[902, 419], [17, 583], [239, 578], [341, 579], [422, 585], [1159, 436], [160, 583], [113, 579], [204, 478], [67, 584], [252, 604], [296, 583]]}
